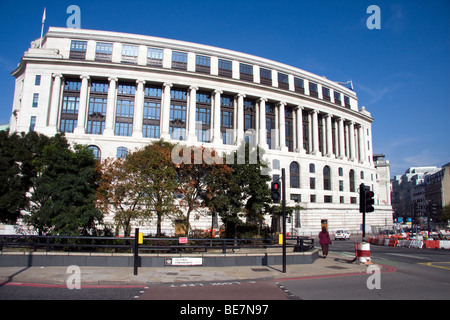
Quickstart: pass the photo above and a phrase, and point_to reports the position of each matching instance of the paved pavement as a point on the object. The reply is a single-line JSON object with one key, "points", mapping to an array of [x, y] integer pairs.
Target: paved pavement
{"points": [[333, 265]]}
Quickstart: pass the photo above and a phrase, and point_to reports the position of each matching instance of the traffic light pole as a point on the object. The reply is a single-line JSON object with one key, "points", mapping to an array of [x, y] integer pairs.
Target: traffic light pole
{"points": [[283, 190]]}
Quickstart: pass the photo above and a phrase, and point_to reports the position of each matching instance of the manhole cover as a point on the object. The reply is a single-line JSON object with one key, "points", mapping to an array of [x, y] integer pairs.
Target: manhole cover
{"points": [[260, 269]]}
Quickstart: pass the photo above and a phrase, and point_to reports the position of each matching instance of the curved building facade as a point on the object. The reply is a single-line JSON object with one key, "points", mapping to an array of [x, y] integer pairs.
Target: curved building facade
{"points": [[117, 92]]}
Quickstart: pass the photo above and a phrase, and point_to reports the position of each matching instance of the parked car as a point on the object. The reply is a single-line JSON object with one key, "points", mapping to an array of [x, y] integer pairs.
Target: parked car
{"points": [[342, 234]]}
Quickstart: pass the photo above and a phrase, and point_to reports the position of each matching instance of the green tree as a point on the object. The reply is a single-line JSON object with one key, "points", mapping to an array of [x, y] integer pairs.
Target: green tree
{"points": [[18, 171], [193, 178], [155, 176], [118, 194], [63, 194], [241, 197], [445, 213]]}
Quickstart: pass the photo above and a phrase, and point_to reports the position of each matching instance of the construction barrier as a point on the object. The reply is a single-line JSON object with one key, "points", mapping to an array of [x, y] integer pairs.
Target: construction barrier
{"points": [[363, 252], [432, 244], [416, 244], [444, 244], [398, 242], [393, 242]]}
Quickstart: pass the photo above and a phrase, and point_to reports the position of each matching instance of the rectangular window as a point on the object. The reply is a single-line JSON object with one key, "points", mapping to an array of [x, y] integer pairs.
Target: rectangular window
{"points": [[225, 68], [123, 129], [152, 112], [312, 183], [35, 100], [283, 81], [203, 116], [328, 199], [337, 98], [347, 101], [179, 60], [202, 64], [246, 72], [37, 80], [78, 50], [155, 57], [32, 123], [96, 116], [68, 125], [265, 76], [130, 54], [150, 131], [326, 94], [125, 109], [70, 105], [299, 85], [313, 91], [103, 51]]}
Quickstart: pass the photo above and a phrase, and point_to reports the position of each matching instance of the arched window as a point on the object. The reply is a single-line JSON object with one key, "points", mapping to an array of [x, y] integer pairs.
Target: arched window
{"points": [[96, 152], [122, 152], [294, 174], [326, 178], [351, 177]]}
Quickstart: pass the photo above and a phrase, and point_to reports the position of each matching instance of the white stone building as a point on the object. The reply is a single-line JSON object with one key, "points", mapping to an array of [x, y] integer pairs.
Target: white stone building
{"points": [[117, 92]]}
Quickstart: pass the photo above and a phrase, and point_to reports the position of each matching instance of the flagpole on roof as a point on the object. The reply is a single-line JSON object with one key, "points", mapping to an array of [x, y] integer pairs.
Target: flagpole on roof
{"points": [[42, 29]]}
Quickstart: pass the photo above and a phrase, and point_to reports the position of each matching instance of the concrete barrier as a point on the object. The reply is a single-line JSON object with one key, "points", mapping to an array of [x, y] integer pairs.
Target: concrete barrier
{"points": [[46, 259]]}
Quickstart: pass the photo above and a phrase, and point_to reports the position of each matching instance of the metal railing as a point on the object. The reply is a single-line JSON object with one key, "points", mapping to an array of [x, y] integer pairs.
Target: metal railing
{"points": [[150, 245]]}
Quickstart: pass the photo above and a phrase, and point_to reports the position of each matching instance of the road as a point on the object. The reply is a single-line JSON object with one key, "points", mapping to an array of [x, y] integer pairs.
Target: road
{"points": [[408, 273], [419, 274]]}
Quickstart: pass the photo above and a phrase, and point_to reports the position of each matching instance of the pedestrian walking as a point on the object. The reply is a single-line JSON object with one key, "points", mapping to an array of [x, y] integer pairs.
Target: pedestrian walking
{"points": [[324, 241]]}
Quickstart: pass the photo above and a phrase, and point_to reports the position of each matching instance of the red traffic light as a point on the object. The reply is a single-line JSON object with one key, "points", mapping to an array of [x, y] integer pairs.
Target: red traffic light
{"points": [[275, 191]]}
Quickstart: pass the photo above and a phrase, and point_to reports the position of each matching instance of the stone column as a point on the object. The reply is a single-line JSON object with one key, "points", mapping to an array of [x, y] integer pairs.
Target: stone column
{"points": [[56, 99], [110, 107], [191, 138], [138, 109], [262, 124], [282, 120], [329, 136], [341, 138], [216, 139], [80, 129], [240, 118], [315, 132], [165, 112], [352, 140], [299, 118]]}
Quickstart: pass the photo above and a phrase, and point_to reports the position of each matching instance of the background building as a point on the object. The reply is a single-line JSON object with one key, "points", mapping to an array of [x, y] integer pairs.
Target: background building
{"points": [[116, 92]]}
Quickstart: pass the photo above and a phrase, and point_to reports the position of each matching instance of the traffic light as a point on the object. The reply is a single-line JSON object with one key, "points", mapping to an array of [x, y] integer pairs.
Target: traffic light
{"points": [[366, 200], [276, 191], [362, 198], [369, 200]]}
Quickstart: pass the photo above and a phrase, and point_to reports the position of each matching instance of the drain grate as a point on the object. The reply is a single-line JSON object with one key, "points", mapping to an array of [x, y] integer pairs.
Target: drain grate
{"points": [[260, 269]]}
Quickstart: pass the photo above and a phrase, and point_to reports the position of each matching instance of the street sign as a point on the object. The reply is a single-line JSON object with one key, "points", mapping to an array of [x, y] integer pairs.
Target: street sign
{"points": [[182, 240]]}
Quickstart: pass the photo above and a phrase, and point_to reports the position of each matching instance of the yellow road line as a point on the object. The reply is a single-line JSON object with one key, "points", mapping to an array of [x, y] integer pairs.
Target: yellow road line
{"points": [[431, 264]]}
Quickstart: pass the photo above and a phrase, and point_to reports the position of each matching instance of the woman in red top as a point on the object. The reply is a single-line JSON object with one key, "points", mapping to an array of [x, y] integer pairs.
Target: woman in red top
{"points": [[324, 241]]}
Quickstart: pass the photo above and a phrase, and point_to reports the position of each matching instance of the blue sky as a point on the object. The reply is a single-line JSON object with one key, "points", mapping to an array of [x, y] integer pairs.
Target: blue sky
{"points": [[400, 73]]}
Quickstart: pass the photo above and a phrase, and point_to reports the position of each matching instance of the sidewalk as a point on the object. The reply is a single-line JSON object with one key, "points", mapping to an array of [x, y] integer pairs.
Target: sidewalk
{"points": [[333, 265]]}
